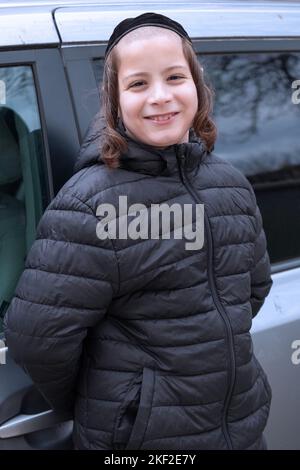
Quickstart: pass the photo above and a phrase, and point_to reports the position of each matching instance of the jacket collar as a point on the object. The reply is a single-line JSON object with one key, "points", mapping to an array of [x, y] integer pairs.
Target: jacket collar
{"points": [[140, 157], [150, 160]]}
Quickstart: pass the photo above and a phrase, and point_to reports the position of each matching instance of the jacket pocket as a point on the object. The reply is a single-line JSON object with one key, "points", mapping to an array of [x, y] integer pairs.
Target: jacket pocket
{"points": [[134, 412], [264, 378]]}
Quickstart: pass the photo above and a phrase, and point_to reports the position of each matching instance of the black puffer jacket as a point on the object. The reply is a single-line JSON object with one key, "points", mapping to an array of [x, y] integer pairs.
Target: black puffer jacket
{"points": [[149, 342]]}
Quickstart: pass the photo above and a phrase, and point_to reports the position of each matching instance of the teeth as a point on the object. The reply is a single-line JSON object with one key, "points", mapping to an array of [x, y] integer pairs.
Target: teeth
{"points": [[162, 118]]}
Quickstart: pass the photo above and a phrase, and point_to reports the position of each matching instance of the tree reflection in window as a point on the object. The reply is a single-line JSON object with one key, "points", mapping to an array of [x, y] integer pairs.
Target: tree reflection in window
{"points": [[258, 132]]}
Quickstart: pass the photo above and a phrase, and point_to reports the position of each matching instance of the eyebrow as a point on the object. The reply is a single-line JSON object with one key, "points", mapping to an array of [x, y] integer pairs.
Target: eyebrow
{"points": [[138, 74]]}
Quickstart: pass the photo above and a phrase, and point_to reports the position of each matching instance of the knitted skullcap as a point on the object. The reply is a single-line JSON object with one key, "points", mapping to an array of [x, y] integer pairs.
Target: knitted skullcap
{"points": [[146, 19]]}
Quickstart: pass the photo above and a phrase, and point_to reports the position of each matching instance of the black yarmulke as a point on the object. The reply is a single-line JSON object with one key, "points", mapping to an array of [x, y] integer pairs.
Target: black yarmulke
{"points": [[146, 19]]}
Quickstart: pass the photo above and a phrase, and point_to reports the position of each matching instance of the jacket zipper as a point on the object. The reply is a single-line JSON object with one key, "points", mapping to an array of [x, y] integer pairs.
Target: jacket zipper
{"points": [[181, 160]]}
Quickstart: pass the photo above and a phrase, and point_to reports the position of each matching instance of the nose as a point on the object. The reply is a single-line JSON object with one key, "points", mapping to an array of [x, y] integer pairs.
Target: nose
{"points": [[159, 93]]}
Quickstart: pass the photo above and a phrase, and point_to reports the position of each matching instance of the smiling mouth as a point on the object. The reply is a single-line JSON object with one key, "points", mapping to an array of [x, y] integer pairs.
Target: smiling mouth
{"points": [[162, 117]]}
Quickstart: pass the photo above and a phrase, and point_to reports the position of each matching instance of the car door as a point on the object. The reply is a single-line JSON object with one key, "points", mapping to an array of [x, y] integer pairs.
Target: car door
{"points": [[38, 146]]}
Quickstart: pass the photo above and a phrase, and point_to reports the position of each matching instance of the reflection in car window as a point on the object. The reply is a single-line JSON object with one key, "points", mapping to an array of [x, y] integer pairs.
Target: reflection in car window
{"points": [[258, 132], [258, 127], [23, 189]]}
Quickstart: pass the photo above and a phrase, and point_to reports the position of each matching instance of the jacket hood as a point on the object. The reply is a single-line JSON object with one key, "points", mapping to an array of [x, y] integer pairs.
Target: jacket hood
{"points": [[139, 157]]}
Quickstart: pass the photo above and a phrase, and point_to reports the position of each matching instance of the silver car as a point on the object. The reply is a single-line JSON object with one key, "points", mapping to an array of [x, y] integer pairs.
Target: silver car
{"points": [[51, 62]]}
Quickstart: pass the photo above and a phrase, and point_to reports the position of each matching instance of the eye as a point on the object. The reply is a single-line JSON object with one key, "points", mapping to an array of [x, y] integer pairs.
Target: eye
{"points": [[176, 76], [135, 84]]}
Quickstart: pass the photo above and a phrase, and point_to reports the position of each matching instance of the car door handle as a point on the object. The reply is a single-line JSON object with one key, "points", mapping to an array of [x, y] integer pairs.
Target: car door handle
{"points": [[25, 424]]}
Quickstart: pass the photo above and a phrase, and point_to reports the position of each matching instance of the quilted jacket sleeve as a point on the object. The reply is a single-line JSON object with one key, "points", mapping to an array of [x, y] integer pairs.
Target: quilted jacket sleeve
{"points": [[66, 288], [261, 281]]}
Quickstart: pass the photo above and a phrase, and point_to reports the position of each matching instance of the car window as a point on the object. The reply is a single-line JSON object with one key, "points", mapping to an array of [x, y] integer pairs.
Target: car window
{"points": [[258, 132], [258, 122], [23, 190]]}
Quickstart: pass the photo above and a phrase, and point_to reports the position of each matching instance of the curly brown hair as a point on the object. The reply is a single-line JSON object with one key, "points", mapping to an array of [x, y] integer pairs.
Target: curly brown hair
{"points": [[113, 144]]}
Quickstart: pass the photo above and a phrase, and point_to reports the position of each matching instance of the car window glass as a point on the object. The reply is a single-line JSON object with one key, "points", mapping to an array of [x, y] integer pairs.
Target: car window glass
{"points": [[258, 121], [23, 189]]}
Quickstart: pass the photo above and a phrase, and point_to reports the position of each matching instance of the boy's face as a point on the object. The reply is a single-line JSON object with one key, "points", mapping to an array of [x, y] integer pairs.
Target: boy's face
{"points": [[155, 90]]}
